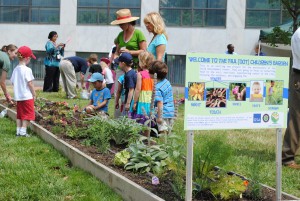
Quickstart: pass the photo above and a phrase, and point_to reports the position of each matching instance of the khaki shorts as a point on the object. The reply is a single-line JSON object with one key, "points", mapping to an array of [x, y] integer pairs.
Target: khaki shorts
{"points": [[165, 125]]}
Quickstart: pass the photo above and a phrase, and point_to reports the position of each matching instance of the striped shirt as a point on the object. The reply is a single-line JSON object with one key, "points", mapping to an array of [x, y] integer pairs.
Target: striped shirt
{"points": [[164, 93]]}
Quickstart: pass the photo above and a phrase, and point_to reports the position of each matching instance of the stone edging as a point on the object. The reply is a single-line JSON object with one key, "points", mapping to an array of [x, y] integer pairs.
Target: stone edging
{"points": [[128, 189]]}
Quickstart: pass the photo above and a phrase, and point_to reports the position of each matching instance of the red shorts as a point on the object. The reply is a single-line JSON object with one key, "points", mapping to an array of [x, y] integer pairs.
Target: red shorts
{"points": [[25, 110]]}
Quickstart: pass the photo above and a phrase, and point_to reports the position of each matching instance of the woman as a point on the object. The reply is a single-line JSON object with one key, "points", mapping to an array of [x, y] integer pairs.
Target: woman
{"points": [[129, 40], [7, 54], [54, 54], [155, 24]]}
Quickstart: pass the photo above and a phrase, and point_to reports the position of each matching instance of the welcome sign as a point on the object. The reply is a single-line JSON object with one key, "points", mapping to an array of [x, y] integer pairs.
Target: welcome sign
{"points": [[235, 92]]}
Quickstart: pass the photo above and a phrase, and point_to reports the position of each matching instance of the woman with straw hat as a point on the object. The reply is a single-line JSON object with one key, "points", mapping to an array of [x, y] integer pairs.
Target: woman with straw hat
{"points": [[129, 40]]}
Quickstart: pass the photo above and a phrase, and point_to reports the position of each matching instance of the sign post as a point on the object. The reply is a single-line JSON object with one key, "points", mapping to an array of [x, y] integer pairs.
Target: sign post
{"points": [[235, 92]]}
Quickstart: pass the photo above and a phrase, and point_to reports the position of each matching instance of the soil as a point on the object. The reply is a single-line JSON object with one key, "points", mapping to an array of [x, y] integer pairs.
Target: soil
{"points": [[163, 190]]}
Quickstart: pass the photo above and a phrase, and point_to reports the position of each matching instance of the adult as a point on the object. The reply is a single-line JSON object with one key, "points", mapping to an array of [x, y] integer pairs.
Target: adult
{"points": [[258, 51], [291, 141], [54, 53], [7, 54], [130, 39], [155, 25], [68, 68], [230, 49]]}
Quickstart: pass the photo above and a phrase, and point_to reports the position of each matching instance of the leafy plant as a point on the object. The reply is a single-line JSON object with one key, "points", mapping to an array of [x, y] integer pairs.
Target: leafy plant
{"points": [[145, 158], [121, 158], [278, 36]]}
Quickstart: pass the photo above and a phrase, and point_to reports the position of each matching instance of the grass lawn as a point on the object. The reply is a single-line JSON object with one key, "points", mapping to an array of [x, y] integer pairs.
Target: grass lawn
{"points": [[33, 170], [253, 151]]}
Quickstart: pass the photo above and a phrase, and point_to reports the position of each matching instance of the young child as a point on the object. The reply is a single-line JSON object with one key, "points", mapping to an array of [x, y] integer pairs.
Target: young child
{"points": [[120, 94], [163, 97], [108, 76], [143, 89], [271, 99], [100, 96], [125, 61], [94, 67], [24, 90], [256, 96]]}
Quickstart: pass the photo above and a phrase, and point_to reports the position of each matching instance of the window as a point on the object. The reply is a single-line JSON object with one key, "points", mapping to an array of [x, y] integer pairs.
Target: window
{"points": [[176, 69], [104, 11], [265, 13], [30, 11], [198, 13]]}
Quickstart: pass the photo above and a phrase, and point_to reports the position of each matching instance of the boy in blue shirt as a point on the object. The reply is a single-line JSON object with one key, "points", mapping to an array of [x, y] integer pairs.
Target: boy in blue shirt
{"points": [[163, 97], [100, 95]]}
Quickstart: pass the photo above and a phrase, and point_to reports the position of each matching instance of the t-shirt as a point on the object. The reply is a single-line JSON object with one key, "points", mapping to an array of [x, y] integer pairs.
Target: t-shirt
{"points": [[52, 52], [121, 81], [133, 43], [95, 68], [20, 78], [159, 39], [79, 64], [99, 96], [108, 76], [129, 82], [4, 62], [164, 93]]}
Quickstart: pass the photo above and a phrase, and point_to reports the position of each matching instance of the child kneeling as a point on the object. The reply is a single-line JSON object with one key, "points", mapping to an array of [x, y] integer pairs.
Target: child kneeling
{"points": [[100, 96]]}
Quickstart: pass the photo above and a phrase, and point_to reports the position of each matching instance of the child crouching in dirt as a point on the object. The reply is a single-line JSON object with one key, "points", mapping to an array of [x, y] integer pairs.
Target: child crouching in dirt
{"points": [[163, 97], [100, 96], [24, 92]]}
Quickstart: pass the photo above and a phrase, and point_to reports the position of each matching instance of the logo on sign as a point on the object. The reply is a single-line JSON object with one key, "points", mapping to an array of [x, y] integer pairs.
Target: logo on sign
{"points": [[266, 118], [275, 117], [256, 118]]}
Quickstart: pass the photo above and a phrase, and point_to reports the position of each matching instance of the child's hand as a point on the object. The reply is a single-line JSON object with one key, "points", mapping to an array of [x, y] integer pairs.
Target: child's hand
{"points": [[127, 106], [117, 105]]}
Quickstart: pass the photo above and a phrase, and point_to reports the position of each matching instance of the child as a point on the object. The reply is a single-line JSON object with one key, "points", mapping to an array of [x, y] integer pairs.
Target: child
{"points": [[108, 76], [120, 94], [270, 93], [94, 67], [256, 96], [100, 96], [163, 97], [24, 90], [125, 61], [143, 89]]}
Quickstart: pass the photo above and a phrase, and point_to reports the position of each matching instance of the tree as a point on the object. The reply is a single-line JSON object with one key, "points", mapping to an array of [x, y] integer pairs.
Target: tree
{"points": [[293, 7]]}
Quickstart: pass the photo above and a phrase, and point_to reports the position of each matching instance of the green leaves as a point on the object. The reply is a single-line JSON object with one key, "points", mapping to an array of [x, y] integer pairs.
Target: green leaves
{"points": [[121, 158]]}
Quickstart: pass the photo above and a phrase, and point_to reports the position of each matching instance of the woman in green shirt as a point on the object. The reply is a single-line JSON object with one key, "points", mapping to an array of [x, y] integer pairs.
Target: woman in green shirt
{"points": [[129, 40], [7, 54]]}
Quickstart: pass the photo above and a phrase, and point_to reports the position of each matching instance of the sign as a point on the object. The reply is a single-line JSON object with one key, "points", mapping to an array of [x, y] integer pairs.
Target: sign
{"points": [[235, 92]]}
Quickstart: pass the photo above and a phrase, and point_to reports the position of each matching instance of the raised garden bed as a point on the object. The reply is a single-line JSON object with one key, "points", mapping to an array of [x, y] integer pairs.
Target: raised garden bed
{"points": [[129, 185]]}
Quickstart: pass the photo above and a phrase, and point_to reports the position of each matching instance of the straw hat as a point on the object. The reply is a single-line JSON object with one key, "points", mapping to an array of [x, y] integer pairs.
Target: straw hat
{"points": [[123, 16]]}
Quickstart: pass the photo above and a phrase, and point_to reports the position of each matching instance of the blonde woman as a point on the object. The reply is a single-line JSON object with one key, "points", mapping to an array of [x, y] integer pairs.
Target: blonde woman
{"points": [[155, 24]]}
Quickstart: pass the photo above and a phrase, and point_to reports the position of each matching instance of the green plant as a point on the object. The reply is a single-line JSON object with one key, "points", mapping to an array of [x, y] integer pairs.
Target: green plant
{"points": [[278, 36], [121, 158], [145, 158]]}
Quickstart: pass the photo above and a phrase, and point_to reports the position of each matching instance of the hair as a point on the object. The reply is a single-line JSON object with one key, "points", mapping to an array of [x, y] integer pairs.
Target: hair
{"points": [[157, 22], [51, 34], [20, 57], [228, 46], [10, 47], [256, 83], [92, 58], [258, 46], [133, 23], [160, 68], [146, 59], [103, 64]]}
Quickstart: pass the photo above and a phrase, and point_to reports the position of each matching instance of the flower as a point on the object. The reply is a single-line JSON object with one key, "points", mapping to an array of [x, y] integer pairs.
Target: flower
{"points": [[246, 182], [196, 91]]}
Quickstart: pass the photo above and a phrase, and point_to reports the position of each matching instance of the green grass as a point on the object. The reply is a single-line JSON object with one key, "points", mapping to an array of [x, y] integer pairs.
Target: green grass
{"points": [[33, 170]]}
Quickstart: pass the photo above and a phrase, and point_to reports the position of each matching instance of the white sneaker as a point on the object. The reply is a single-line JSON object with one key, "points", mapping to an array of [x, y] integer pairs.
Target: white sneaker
{"points": [[24, 135]]}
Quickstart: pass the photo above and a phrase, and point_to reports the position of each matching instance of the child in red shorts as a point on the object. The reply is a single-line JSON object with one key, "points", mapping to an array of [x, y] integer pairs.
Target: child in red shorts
{"points": [[24, 92]]}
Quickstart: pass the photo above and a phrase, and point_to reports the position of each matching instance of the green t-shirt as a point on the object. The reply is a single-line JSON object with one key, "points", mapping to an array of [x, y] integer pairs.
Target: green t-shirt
{"points": [[4, 62], [133, 43]]}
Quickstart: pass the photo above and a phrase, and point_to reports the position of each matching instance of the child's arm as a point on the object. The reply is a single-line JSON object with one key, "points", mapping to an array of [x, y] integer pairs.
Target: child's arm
{"points": [[129, 98], [100, 105], [137, 90], [31, 87], [159, 112], [119, 91]]}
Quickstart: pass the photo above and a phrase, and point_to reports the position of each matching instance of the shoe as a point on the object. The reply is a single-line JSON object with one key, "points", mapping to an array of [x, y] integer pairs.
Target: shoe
{"points": [[26, 135], [293, 165]]}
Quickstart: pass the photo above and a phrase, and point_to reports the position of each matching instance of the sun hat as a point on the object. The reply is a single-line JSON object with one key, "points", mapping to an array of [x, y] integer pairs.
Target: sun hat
{"points": [[105, 60], [26, 52], [123, 16], [124, 57], [96, 77]]}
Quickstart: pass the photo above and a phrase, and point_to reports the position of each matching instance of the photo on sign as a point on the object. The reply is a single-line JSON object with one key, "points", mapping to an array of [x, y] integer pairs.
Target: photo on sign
{"points": [[237, 91], [274, 90], [256, 91], [216, 97], [196, 91]]}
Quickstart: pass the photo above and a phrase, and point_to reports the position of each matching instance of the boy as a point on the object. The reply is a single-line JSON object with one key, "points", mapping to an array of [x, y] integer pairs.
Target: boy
{"points": [[125, 62], [100, 96], [24, 90], [163, 96]]}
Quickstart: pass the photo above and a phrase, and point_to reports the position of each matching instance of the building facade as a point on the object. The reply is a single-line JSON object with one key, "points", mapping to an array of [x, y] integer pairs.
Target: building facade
{"points": [[192, 26]]}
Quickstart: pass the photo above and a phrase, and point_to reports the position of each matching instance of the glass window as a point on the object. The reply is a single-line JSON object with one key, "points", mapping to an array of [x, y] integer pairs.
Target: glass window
{"points": [[199, 13], [176, 72], [33, 11], [265, 13], [104, 11]]}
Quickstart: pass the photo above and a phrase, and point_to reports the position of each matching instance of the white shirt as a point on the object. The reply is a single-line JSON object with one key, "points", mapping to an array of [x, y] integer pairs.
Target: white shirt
{"points": [[108, 76], [295, 44], [20, 78]]}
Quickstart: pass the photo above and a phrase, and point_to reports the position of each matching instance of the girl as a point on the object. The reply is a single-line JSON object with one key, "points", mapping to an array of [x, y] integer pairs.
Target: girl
{"points": [[24, 90], [108, 76]]}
